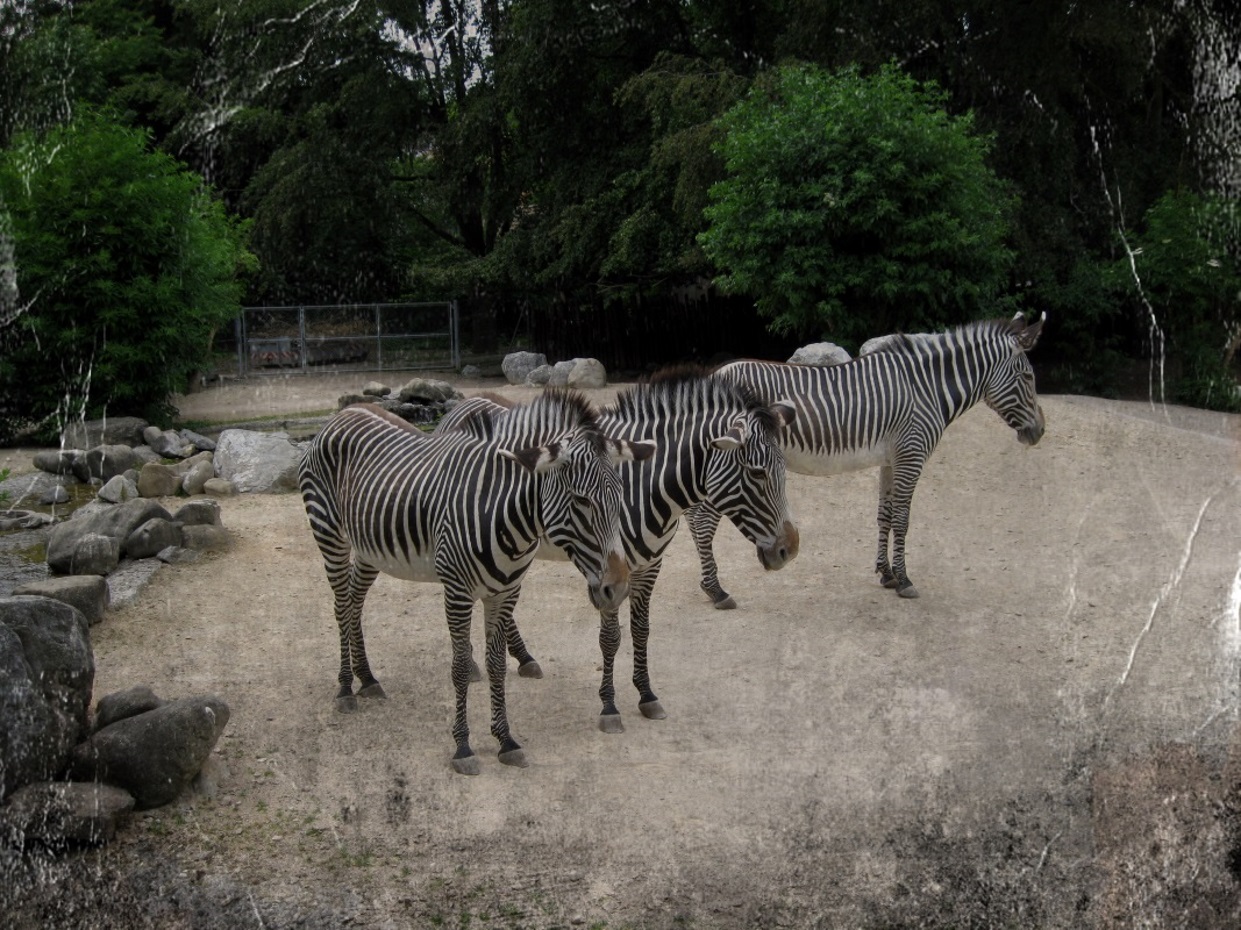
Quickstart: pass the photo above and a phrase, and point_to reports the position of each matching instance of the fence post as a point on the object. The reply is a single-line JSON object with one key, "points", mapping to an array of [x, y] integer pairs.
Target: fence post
{"points": [[239, 333], [301, 337], [454, 337]]}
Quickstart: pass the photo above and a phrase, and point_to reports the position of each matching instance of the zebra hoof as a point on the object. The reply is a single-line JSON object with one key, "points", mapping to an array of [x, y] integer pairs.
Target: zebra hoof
{"points": [[466, 765], [476, 673], [652, 710], [346, 704], [908, 590], [374, 690], [515, 757], [530, 669], [725, 603], [611, 723]]}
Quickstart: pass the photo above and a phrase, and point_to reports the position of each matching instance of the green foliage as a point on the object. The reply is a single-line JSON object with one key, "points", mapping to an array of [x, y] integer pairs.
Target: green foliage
{"points": [[855, 205], [1183, 269], [125, 266]]}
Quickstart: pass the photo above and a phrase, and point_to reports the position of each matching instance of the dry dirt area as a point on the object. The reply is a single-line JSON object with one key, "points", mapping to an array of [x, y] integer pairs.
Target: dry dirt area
{"points": [[1047, 738]]}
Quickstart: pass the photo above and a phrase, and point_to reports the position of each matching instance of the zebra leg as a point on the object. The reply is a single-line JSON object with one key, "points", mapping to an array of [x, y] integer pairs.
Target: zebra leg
{"points": [[882, 567], [641, 583], [350, 581], [703, 520], [900, 526], [527, 665], [495, 609], [609, 642], [458, 608]]}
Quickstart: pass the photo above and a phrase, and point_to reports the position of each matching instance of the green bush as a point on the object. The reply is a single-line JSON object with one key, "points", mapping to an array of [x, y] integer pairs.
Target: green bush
{"points": [[123, 266], [855, 205]]}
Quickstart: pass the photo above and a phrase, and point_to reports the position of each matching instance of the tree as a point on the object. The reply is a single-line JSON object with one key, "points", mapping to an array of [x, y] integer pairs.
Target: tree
{"points": [[124, 266], [855, 205]]}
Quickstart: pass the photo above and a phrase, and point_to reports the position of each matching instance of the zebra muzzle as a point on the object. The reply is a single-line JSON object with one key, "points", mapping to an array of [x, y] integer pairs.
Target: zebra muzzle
{"points": [[613, 587], [779, 553], [1030, 435]]}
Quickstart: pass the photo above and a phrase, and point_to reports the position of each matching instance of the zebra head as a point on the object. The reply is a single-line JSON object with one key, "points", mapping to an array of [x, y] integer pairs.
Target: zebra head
{"points": [[580, 498], [1009, 389], [746, 481]]}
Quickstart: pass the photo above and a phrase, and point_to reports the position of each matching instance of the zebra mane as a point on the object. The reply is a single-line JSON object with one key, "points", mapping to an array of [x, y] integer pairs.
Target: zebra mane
{"points": [[552, 413], [687, 387], [975, 331]]}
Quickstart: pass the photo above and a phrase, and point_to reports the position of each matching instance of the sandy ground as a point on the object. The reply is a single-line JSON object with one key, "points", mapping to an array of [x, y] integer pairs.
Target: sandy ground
{"points": [[1047, 738]]}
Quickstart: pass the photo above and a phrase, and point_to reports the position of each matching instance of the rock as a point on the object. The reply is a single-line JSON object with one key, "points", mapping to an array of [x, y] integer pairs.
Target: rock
{"points": [[540, 376], [197, 440], [157, 480], [129, 578], [147, 540], [146, 454], [118, 490], [201, 512], [414, 413], [87, 593], [219, 487], [207, 782], [154, 755], [877, 344], [105, 462], [57, 462], [122, 704], [178, 555], [820, 353], [47, 670], [255, 461], [108, 431], [376, 389], [426, 391], [58, 494], [206, 538], [348, 400], [24, 519], [560, 373], [197, 476], [95, 554], [116, 521], [167, 443], [588, 373], [61, 814], [471, 371], [518, 365]]}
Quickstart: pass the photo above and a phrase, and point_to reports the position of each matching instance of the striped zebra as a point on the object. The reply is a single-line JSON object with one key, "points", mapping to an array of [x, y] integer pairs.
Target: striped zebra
{"points": [[715, 443], [889, 408], [467, 509]]}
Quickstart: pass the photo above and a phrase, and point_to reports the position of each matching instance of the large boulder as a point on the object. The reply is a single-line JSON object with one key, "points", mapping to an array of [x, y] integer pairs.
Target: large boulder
{"points": [[57, 815], [151, 538], [108, 431], [88, 593], [588, 373], [560, 373], [57, 461], [105, 462], [118, 490], [153, 755], [518, 365], [820, 353], [47, 671], [115, 521], [254, 461], [426, 391], [159, 480], [199, 512]]}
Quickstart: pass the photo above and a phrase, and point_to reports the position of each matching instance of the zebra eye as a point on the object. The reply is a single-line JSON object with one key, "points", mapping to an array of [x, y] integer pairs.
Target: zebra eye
{"points": [[757, 472]]}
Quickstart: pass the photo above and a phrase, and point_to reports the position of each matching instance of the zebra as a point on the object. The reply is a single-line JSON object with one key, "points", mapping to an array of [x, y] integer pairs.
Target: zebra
{"points": [[889, 408], [467, 509], [715, 443]]}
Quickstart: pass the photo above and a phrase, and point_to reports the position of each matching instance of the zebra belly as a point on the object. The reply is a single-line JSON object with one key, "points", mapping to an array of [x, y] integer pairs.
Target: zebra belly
{"points": [[808, 462], [415, 568]]}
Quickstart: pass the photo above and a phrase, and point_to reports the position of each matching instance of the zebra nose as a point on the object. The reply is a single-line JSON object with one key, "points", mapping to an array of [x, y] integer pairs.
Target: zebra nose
{"points": [[782, 551], [613, 587]]}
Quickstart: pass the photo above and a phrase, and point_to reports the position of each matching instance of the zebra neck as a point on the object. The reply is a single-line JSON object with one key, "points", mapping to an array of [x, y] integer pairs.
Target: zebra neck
{"points": [[950, 376]]}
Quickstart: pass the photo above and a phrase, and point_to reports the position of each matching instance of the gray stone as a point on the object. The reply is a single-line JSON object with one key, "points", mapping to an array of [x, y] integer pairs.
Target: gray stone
{"points": [[471, 371], [560, 373], [155, 755], [95, 554], [108, 431], [426, 391], [24, 519], [820, 353], [105, 462], [877, 344], [47, 670], [62, 814], [148, 539], [145, 454], [129, 578], [122, 704], [167, 443], [588, 373], [87, 593], [178, 555], [198, 440], [518, 365], [156, 480], [197, 476], [540, 376], [56, 462], [206, 538], [255, 461], [118, 490], [111, 520], [376, 389], [219, 487], [207, 782], [413, 413], [348, 400], [58, 494], [201, 512]]}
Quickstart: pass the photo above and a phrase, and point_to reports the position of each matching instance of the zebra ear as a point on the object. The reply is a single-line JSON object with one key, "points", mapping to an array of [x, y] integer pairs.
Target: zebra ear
{"points": [[785, 412], [1027, 337], [623, 450], [733, 439], [538, 459]]}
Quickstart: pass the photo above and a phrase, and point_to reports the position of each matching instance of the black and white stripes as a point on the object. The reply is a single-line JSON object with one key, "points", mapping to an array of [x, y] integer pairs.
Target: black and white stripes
{"points": [[888, 408]]}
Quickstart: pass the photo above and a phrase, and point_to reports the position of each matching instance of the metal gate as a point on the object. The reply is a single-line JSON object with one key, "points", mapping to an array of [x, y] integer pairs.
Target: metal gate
{"points": [[348, 337]]}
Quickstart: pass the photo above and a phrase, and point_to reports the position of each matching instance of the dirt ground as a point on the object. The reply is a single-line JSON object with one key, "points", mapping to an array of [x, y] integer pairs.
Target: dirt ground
{"points": [[1048, 737]]}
